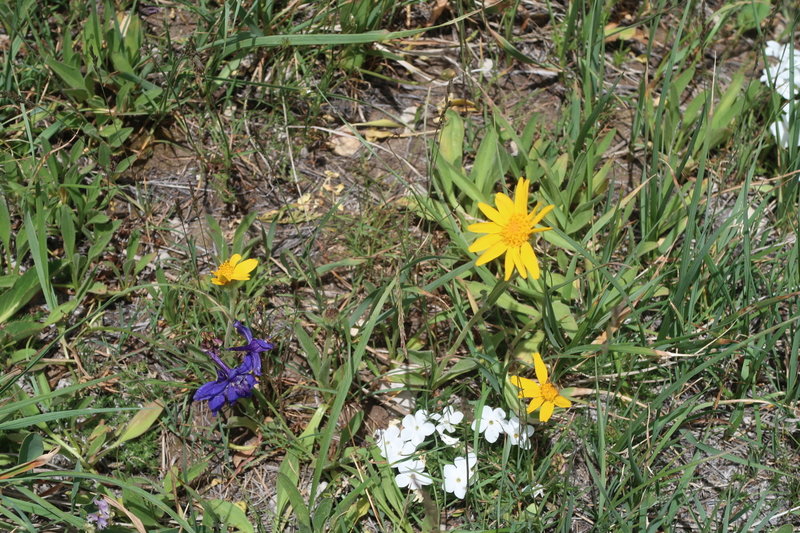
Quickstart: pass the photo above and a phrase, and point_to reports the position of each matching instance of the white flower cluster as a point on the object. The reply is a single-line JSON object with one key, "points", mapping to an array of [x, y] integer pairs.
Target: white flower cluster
{"points": [[493, 422], [784, 78], [399, 444]]}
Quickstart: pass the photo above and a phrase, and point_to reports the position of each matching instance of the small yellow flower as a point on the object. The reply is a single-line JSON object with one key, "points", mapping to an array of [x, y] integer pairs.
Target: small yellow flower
{"points": [[509, 232], [234, 269], [544, 394]]}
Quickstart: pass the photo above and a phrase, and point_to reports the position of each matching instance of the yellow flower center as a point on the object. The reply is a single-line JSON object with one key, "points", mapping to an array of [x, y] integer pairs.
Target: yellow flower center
{"points": [[516, 231], [225, 271], [549, 392]]}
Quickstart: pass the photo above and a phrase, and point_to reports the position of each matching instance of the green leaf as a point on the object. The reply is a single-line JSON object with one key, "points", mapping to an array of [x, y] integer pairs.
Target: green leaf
{"points": [[23, 291], [228, 514], [451, 140], [504, 301], [141, 422], [175, 478], [67, 227], [36, 232], [78, 87], [289, 472], [456, 177], [32, 447], [752, 14], [55, 415], [486, 171], [509, 48], [70, 75], [246, 41], [468, 364], [287, 487], [5, 225], [97, 438]]}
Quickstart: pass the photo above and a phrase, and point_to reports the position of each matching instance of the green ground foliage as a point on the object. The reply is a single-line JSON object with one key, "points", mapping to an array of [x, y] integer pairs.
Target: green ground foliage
{"points": [[346, 146]]}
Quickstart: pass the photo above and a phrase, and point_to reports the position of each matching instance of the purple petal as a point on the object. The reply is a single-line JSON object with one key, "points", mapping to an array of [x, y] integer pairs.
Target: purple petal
{"points": [[215, 357], [209, 390], [253, 345], [102, 505], [216, 403], [242, 388], [244, 331], [253, 361], [234, 392]]}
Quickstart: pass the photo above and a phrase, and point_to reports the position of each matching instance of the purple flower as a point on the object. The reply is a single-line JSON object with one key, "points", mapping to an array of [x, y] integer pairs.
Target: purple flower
{"points": [[253, 347], [100, 518], [231, 383]]}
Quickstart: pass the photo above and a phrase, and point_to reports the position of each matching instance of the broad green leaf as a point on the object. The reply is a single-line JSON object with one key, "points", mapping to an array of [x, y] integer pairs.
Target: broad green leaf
{"points": [[25, 288], [287, 487], [227, 513], [70, 75], [504, 301], [486, 171], [451, 140], [35, 462], [141, 422], [32, 447]]}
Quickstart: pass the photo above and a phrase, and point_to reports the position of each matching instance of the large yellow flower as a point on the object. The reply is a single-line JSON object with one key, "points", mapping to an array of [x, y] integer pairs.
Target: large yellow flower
{"points": [[544, 394], [509, 232], [234, 269]]}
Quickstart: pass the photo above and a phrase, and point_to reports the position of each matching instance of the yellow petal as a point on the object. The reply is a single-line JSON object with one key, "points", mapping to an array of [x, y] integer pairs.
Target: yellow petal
{"points": [[504, 204], [514, 253], [541, 370], [235, 258], [509, 265], [485, 242], [492, 214], [535, 218], [485, 227], [492, 253], [528, 387], [562, 402], [218, 281], [529, 259], [243, 269], [521, 195], [546, 412], [535, 404]]}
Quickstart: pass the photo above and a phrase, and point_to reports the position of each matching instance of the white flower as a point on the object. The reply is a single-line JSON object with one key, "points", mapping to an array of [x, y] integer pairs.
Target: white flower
{"points": [[490, 423], [471, 460], [537, 491], [392, 446], [448, 440], [517, 434], [780, 128], [783, 77], [459, 475], [412, 474], [416, 427], [448, 419], [486, 67]]}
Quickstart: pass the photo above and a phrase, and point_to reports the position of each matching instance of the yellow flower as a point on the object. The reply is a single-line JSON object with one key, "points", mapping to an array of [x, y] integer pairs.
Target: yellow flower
{"points": [[234, 270], [509, 232], [544, 394]]}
